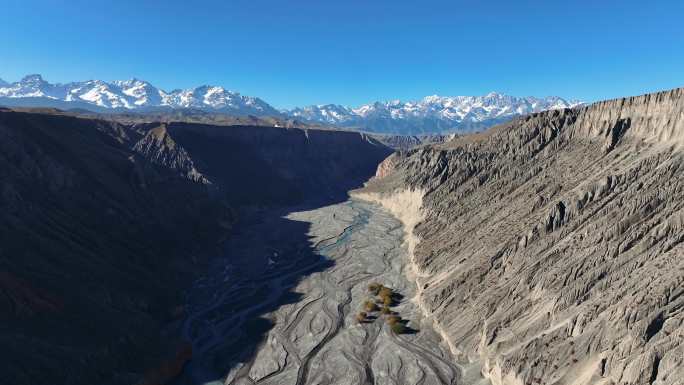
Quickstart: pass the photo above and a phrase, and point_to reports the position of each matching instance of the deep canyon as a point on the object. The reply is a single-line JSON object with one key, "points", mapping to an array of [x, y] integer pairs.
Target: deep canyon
{"points": [[545, 250]]}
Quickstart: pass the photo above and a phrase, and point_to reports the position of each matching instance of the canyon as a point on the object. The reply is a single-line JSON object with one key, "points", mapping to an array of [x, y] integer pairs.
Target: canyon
{"points": [[315, 336], [105, 225], [545, 250]]}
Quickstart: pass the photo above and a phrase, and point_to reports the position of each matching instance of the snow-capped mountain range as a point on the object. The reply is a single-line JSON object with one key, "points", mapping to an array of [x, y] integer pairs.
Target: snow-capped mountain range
{"points": [[432, 114], [131, 94]]}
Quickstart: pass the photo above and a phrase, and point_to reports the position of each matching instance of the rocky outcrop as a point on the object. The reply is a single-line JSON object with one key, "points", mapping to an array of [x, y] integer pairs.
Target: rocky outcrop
{"points": [[262, 166], [160, 148], [279, 165], [407, 142], [103, 224], [551, 246]]}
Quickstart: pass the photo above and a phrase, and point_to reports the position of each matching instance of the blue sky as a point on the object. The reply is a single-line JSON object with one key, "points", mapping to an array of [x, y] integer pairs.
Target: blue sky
{"points": [[292, 52]]}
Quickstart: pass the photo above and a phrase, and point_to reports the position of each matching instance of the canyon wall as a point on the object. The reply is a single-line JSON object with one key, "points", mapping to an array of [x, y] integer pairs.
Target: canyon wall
{"points": [[103, 224], [550, 248], [273, 165]]}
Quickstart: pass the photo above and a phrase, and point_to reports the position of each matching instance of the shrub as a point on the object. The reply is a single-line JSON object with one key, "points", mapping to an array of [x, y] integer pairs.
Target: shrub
{"points": [[374, 288], [398, 328], [393, 319], [361, 317], [385, 292], [385, 310], [370, 306], [387, 301]]}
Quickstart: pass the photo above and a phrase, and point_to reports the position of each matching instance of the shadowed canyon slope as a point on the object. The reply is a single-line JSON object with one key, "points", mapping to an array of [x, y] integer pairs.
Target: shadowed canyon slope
{"points": [[550, 248], [104, 224]]}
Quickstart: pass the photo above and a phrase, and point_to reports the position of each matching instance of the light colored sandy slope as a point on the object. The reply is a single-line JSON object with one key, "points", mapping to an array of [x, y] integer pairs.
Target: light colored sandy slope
{"points": [[551, 248], [405, 205]]}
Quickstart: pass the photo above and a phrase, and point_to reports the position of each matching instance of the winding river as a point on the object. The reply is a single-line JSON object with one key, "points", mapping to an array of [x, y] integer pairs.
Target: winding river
{"points": [[295, 323]]}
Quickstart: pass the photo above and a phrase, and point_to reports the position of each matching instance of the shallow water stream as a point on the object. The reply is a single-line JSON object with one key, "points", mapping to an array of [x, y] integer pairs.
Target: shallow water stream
{"points": [[295, 323]]}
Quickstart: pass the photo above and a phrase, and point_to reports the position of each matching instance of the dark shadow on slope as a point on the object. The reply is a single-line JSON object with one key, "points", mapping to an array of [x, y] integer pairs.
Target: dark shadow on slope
{"points": [[407, 329], [95, 244], [271, 166], [268, 253], [397, 298], [369, 319], [98, 242], [226, 321]]}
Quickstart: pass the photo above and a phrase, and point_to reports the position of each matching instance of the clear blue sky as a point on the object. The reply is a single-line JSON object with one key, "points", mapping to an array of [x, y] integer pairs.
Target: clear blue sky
{"points": [[292, 52]]}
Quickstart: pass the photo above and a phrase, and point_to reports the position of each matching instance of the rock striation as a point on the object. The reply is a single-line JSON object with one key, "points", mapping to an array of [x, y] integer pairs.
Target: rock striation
{"points": [[549, 248], [407, 142], [262, 166]]}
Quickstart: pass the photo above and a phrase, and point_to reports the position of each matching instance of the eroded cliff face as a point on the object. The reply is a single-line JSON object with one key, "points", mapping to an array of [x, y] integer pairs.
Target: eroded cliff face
{"points": [[96, 243], [102, 225], [262, 166], [551, 247]]}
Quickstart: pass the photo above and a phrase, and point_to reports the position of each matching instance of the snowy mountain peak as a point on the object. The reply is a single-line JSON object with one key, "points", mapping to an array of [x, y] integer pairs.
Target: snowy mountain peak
{"points": [[32, 79], [432, 114], [131, 94], [28, 86], [130, 83]]}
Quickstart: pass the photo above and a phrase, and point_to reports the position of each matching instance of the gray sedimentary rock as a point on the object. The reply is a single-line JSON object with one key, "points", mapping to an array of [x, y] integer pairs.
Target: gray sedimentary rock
{"points": [[160, 148], [550, 248], [407, 142]]}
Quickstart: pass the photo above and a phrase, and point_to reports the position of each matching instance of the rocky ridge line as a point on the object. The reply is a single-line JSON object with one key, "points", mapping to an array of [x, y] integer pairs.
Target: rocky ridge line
{"points": [[549, 249]]}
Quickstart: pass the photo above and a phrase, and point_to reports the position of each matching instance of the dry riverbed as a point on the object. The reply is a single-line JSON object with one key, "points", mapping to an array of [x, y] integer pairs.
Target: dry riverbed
{"points": [[314, 337]]}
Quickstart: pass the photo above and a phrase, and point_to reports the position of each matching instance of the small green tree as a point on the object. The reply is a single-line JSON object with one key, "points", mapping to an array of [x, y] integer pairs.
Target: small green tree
{"points": [[398, 328], [385, 292], [374, 288], [370, 306]]}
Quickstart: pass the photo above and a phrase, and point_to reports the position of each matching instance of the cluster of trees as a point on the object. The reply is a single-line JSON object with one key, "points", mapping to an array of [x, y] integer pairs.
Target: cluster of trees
{"points": [[386, 297], [396, 324]]}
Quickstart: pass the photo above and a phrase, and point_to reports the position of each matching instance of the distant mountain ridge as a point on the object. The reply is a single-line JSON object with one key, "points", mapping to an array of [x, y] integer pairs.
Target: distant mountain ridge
{"points": [[133, 94], [430, 115]]}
